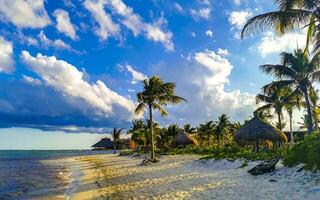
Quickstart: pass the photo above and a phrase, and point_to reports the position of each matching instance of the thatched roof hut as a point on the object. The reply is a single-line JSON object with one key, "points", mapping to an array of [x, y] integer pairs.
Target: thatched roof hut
{"points": [[257, 130], [184, 139], [104, 143]]}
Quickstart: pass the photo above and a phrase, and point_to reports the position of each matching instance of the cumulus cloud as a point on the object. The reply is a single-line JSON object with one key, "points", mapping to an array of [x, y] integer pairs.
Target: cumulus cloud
{"points": [[238, 19], [206, 90], [270, 43], [129, 19], [24, 14], [46, 42], [6, 61], [209, 33], [64, 24], [67, 79]]}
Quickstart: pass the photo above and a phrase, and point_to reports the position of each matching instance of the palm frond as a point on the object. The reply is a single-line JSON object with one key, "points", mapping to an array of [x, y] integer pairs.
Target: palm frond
{"points": [[161, 110], [140, 108], [279, 71]]}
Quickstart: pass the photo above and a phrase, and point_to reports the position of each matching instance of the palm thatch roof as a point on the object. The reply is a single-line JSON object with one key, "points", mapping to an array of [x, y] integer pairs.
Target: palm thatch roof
{"points": [[104, 143], [259, 130], [184, 139]]}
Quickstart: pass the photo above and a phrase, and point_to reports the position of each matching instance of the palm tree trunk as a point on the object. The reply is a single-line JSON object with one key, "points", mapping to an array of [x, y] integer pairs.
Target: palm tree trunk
{"points": [[114, 147], [315, 118], [279, 121], [151, 133], [291, 133], [306, 97]]}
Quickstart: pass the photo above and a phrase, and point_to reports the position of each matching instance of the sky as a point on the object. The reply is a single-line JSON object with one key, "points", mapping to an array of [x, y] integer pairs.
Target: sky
{"points": [[70, 69]]}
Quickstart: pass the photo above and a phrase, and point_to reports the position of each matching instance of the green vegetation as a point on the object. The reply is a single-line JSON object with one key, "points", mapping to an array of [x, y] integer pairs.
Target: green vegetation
{"points": [[306, 152]]}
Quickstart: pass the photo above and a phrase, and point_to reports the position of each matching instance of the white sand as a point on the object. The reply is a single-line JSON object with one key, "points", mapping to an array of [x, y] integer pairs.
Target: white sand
{"points": [[186, 177]]}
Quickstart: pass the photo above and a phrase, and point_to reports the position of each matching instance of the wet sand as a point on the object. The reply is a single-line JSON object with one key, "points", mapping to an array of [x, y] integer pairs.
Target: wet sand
{"points": [[183, 177]]}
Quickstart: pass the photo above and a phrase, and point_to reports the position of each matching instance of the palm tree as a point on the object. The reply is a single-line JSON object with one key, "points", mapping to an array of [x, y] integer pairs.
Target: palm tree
{"points": [[223, 127], [137, 132], [276, 98], [289, 108], [156, 94], [205, 131], [291, 14], [189, 129], [298, 72], [116, 137]]}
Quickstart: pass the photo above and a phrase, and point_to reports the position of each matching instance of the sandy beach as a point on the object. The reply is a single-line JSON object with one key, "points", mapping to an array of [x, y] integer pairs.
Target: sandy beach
{"points": [[182, 177]]}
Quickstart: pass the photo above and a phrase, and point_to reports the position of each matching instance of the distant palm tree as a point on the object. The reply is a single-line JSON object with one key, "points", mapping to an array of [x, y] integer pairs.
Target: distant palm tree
{"points": [[298, 72], [156, 94], [291, 14], [189, 129], [137, 131], [116, 137], [223, 127], [205, 131]]}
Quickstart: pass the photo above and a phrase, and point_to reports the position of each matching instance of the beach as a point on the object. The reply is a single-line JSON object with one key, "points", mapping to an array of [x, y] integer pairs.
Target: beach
{"points": [[182, 177]]}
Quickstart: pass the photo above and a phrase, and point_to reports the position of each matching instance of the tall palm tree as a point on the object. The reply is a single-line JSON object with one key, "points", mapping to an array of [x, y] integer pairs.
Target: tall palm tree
{"points": [[291, 14], [223, 127], [156, 94], [297, 71], [116, 137]]}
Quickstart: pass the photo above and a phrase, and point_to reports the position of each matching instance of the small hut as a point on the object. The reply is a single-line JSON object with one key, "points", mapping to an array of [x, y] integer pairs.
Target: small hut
{"points": [[103, 144], [183, 139], [258, 131]]}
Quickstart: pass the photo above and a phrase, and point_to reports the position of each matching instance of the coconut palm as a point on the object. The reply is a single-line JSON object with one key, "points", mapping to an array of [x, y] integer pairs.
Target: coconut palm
{"points": [[296, 71], [205, 131], [189, 129], [289, 108], [223, 127], [276, 98], [137, 132], [156, 94], [291, 14], [115, 137]]}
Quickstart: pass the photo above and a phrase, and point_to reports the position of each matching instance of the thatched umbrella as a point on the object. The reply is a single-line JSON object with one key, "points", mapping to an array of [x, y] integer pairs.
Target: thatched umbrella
{"points": [[104, 143], [257, 130], [184, 139]]}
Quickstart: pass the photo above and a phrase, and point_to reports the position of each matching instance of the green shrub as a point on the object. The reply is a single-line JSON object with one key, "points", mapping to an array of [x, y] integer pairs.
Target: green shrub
{"points": [[306, 152]]}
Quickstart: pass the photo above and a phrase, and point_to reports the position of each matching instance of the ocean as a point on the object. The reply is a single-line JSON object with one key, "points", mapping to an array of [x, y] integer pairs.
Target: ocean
{"points": [[23, 175]]}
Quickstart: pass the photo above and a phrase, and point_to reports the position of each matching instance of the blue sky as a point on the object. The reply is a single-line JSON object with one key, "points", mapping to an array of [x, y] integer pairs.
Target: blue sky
{"points": [[72, 68]]}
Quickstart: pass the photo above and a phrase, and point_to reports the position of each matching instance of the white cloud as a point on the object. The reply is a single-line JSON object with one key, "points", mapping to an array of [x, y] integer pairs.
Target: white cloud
{"points": [[24, 14], [46, 42], [30, 80], [238, 19], [206, 90], [136, 76], [270, 43], [237, 2], [64, 24], [6, 61], [209, 33], [178, 7], [223, 52], [193, 34], [65, 78], [132, 21], [106, 27], [201, 13]]}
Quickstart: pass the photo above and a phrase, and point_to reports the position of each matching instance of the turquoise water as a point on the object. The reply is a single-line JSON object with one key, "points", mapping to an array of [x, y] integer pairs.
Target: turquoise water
{"points": [[23, 176]]}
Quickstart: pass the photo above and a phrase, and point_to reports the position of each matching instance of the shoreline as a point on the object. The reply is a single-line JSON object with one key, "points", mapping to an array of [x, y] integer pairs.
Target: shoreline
{"points": [[183, 177]]}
